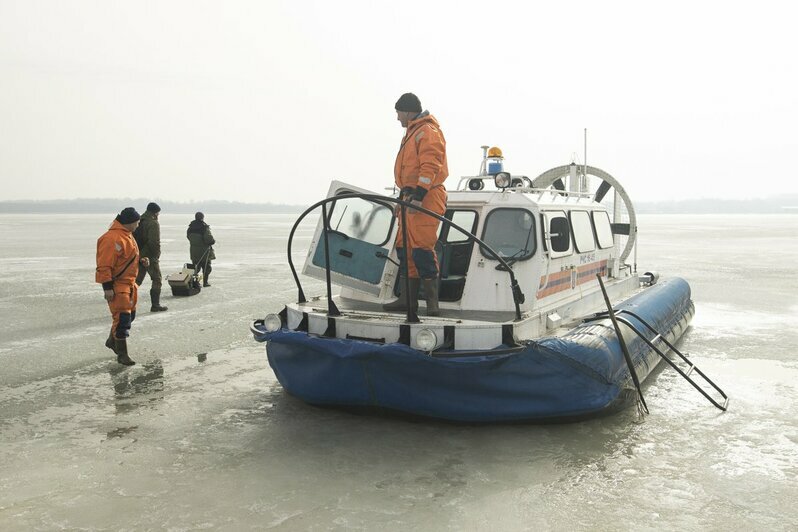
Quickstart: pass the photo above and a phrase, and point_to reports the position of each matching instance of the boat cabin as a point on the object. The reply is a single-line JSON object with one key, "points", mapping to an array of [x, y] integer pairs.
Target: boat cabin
{"points": [[553, 242]]}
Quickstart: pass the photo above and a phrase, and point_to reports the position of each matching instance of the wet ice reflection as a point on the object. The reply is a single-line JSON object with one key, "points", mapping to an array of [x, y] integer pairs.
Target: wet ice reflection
{"points": [[138, 386]]}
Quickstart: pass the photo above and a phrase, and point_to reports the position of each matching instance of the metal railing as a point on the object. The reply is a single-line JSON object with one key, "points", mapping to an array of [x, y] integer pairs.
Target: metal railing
{"points": [[412, 317]]}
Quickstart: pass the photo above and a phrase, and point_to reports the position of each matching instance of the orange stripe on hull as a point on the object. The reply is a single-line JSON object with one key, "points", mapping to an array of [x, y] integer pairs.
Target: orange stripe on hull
{"points": [[561, 281]]}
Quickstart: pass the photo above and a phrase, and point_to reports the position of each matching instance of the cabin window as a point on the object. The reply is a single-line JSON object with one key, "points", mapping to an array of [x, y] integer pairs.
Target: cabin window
{"points": [[511, 233], [362, 219], [557, 239], [465, 219], [582, 231], [601, 224]]}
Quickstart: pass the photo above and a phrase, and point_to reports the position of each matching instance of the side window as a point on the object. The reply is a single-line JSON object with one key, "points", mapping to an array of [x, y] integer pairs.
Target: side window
{"points": [[465, 219], [601, 223], [361, 219], [582, 231], [557, 237], [511, 233]]}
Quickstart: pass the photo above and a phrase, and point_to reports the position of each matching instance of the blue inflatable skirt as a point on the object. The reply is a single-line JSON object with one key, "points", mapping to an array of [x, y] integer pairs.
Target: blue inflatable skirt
{"points": [[578, 375]]}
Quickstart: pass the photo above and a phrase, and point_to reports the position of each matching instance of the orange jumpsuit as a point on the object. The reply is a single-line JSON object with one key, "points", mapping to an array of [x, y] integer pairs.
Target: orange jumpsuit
{"points": [[420, 171], [117, 267]]}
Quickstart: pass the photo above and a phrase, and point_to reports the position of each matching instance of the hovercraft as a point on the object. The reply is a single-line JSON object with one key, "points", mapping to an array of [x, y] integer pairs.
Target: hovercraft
{"points": [[524, 333]]}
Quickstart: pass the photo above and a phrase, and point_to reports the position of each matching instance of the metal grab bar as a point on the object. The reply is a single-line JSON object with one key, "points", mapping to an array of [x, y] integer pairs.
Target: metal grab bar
{"points": [[518, 295], [622, 343], [659, 337], [692, 367]]}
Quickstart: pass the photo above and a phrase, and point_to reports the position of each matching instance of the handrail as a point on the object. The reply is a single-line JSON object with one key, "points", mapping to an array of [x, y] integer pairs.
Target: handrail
{"points": [[332, 310], [533, 190], [518, 295], [667, 359], [622, 343], [412, 312]]}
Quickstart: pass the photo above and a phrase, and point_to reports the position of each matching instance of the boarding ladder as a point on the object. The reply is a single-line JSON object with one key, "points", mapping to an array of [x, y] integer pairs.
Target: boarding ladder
{"points": [[658, 338]]}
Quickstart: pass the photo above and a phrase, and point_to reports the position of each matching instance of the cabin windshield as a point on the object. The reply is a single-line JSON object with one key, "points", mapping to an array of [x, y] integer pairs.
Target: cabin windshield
{"points": [[511, 232]]}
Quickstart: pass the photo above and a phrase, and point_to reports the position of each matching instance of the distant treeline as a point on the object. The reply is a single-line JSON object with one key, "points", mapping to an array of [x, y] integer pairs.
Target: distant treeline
{"points": [[773, 205], [104, 206]]}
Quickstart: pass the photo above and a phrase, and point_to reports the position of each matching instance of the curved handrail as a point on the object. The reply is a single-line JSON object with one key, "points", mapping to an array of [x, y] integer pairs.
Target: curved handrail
{"points": [[518, 295]]}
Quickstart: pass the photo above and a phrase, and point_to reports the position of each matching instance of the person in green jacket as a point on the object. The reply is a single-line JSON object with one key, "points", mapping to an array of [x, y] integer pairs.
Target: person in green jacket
{"points": [[148, 237], [201, 238]]}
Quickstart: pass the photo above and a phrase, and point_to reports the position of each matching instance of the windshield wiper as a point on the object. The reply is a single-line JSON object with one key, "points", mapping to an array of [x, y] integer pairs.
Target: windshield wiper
{"points": [[512, 259]]}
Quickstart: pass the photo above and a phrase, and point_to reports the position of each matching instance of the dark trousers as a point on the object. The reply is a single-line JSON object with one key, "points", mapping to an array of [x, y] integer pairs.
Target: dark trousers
{"points": [[424, 259], [154, 269], [205, 266]]}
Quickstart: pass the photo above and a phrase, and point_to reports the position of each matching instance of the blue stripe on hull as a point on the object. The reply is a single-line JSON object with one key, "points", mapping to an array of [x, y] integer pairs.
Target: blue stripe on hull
{"points": [[580, 374]]}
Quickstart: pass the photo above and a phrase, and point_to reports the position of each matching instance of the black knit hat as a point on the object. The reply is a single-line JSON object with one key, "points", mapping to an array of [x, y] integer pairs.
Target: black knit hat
{"points": [[408, 102], [153, 207], [199, 216], [128, 216]]}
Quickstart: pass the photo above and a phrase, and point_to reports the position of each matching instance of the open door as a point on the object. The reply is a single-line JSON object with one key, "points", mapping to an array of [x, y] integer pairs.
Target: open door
{"points": [[361, 236]]}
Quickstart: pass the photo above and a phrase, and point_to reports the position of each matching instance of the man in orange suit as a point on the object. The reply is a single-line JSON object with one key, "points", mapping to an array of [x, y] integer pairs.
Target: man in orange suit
{"points": [[419, 172], [117, 266]]}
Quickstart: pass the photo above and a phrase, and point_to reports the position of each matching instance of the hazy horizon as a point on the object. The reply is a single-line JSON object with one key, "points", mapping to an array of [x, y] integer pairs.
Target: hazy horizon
{"points": [[264, 101], [785, 204]]}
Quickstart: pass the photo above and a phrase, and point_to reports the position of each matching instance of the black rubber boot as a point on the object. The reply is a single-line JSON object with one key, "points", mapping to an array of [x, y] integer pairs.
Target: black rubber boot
{"points": [[109, 343], [431, 293], [155, 296], [400, 305], [205, 279], [121, 352]]}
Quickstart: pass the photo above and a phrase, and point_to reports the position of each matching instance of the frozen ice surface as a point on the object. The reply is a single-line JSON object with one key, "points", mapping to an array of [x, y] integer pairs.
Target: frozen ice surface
{"points": [[200, 435]]}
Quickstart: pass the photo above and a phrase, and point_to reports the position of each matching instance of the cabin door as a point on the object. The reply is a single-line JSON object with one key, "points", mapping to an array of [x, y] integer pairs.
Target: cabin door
{"points": [[361, 236]]}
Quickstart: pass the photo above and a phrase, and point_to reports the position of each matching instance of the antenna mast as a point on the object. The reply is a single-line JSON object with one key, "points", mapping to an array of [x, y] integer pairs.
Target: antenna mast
{"points": [[584, 166]]}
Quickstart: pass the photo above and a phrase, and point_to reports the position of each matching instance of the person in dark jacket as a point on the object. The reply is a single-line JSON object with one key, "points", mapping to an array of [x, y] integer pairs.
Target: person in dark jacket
{"points": [[148, 237], [201, 239]]}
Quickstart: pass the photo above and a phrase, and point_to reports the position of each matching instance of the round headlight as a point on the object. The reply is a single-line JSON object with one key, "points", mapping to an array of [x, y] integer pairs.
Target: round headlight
{"points": [[272, 323], [502, 180], [426, 340], [475, 184]]}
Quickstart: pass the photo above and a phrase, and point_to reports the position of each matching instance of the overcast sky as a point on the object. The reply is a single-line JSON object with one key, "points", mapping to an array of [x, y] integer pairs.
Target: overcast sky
{"points": [[268, 101]]}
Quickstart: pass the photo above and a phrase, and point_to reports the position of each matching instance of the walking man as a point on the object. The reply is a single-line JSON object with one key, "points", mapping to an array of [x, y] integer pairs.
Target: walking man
{"points": [[419, 171], [201, 246], [148, 238], [117, 266]]}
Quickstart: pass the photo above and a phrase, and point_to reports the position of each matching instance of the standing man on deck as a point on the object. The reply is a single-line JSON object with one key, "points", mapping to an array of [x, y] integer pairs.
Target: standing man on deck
{"points": [[117, 266], [148, 237], [419, 172]]}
